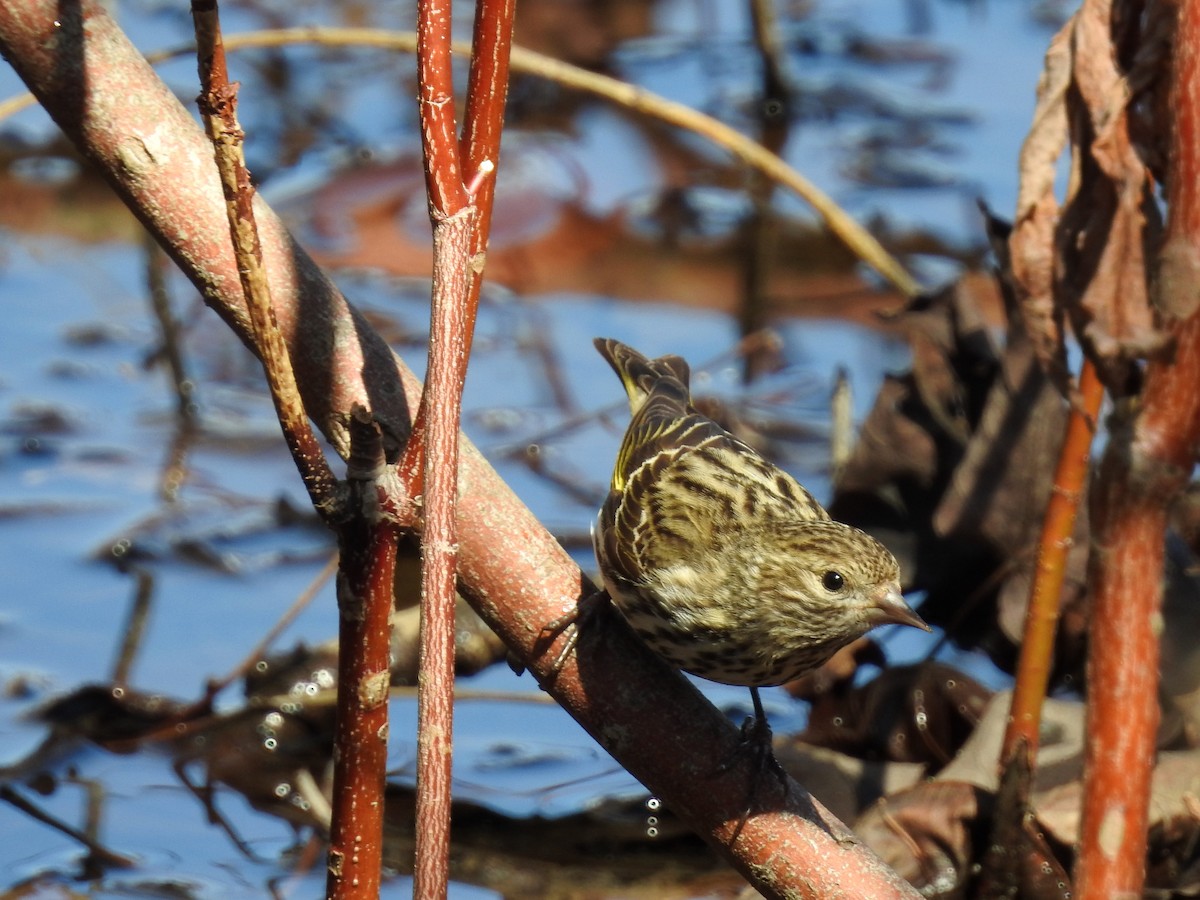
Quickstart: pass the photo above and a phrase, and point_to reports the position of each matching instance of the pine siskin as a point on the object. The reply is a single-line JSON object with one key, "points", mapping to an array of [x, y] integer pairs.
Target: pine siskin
{"points": [[720, 561]]}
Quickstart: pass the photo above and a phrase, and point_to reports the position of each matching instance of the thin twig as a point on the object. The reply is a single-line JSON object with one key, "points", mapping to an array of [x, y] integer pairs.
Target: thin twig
{"points": [[1018, 755], [218, 109], [1058, 528], [108, 857], [135, 626]]}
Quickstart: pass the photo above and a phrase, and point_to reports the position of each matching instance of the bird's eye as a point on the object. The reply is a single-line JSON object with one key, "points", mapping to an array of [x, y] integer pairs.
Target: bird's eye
{"points": [[833, 581]]}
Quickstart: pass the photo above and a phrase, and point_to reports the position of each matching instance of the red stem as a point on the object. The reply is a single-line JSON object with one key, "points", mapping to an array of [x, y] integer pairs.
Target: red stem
{"points": [[487, 93], [366, 568], [459, 233], [439, 543], [1150, 456], [444, 179], [436, 430], [1058, 527]]}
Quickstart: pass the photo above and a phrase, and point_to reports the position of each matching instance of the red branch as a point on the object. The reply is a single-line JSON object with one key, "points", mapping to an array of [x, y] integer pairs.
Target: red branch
{"points": [[366, 568], [487, 93], [367, 541], [458, 235], [1000, 871], [444, 179], [435, 438], [1150, 456]]}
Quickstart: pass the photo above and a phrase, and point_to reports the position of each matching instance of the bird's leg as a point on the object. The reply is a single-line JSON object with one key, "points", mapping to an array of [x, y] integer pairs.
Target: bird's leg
{"points": [[574, 619], [756, 738], [756, 732]]}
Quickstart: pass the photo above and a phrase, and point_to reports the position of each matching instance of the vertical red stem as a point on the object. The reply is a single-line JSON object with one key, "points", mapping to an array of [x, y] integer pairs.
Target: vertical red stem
{"points": [[1150, 457], [459, 236], [436, 428], [435, 689], [444, 178], [368, 555], [483, 121]]}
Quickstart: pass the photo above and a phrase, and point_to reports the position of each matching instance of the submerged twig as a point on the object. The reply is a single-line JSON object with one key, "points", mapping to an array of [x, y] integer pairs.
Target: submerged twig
{"points": [[135, 625], [98, 852]]}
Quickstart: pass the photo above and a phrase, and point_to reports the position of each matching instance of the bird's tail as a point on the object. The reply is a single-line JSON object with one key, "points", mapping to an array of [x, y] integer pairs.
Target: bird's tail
{"points": [[666, 376]]}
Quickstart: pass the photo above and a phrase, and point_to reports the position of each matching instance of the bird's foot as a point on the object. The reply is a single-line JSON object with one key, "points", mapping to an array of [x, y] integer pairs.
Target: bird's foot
{"points": [[573, 619], [756, 739]]}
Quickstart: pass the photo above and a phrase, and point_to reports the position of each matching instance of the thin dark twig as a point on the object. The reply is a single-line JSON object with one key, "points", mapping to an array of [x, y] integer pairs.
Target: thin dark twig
{"points": [[135, 626], [168, 328], [218, 109], [298, 606], [97, 851]]}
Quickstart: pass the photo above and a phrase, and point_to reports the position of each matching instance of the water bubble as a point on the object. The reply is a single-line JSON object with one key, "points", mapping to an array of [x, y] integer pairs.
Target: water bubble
{"points": [[653, 804], [282, 789]]}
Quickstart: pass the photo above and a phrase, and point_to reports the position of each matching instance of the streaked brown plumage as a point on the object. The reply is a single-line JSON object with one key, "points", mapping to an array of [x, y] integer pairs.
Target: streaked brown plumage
{"points": [[720, 561]]}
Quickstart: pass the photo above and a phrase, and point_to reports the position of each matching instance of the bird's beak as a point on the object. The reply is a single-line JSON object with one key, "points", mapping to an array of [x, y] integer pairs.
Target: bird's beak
{"points": [[889, 608]]}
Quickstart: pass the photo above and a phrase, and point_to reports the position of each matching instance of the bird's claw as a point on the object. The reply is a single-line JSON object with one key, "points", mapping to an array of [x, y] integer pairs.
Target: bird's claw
{"points": [[756, 737], [570, 620]]}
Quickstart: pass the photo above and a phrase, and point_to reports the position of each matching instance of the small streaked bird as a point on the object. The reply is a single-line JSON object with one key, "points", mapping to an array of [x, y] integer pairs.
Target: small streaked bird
{"points": [[720, 561]]}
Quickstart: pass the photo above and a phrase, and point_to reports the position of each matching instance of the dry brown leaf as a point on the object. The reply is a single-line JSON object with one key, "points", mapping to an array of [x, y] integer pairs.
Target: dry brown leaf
{"points": [[927, 834], [1087, 260], [1031, 244], [1110, 222], [998, 491], [919, 714]]}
